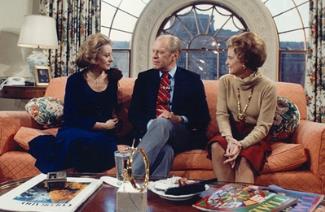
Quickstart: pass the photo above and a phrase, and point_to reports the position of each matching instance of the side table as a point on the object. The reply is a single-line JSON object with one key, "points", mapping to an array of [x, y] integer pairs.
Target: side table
{"points": [[22, 92]]}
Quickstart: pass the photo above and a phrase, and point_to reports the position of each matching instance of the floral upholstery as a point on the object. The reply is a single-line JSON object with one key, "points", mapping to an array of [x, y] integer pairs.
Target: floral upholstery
{"points": [[286, 119], [46, 111]]}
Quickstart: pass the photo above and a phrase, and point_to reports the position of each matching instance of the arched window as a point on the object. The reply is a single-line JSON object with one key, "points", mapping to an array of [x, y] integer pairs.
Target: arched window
{"points": [[119, 18], [204, 30], [292, 21]]}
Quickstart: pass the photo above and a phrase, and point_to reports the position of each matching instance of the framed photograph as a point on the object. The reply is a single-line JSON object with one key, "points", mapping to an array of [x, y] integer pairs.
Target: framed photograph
{"points": [[42, 75]]}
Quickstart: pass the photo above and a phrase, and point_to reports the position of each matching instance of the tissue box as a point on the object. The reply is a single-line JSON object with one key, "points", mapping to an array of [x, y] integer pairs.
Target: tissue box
{"points": [[129, 199]]}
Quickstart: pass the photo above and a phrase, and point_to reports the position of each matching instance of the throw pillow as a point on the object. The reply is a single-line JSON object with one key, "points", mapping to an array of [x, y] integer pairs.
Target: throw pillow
{"points": [[285, 157], [46, 111], [286, 119], [25, 134]]}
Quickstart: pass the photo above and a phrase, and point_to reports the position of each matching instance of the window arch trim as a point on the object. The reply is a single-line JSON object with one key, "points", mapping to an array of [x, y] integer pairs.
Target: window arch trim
{"points": [[253, 12]]}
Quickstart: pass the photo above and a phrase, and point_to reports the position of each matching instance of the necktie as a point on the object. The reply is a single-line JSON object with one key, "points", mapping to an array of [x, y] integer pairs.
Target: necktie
{"points": [[163, 96]]}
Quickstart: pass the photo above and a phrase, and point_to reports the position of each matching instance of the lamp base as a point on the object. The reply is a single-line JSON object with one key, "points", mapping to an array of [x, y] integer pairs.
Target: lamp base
{"points": [[36, 58]]}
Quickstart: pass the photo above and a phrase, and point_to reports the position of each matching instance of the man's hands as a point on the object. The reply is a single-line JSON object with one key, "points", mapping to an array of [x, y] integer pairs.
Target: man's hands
{"points": [[233, 149], [170, 115]]}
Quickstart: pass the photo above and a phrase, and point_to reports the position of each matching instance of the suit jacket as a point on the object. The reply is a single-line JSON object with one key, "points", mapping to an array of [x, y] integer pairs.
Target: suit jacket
{"points": [[188, 100]]}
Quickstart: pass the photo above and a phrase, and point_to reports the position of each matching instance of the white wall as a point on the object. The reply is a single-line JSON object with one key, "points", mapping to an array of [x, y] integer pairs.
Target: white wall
{"points": [[12, 57]]}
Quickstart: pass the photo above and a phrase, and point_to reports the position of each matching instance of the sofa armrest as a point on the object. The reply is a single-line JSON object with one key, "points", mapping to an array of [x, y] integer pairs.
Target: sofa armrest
{"points": [[312, 136], [10, 122]]}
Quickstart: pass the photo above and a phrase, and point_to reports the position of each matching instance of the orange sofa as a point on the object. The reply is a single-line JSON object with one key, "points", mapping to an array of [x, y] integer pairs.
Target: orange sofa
{"points": [[299, 165]]}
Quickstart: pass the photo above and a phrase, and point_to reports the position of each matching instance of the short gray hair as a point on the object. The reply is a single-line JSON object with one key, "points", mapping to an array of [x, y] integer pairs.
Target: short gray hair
{"points": [[174, 43]]}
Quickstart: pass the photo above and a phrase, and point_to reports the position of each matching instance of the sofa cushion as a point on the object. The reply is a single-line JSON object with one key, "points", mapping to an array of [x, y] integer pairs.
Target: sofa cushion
{"points": [[286, 119], [285, 157], [124, 127], [211, 87], [47, 111], [25, 134], [192, 160], [17, 165]]}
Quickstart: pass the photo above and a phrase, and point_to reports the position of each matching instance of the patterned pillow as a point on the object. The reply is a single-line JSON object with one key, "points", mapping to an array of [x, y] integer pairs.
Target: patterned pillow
{"points": [[47, 111], [286, 119]]}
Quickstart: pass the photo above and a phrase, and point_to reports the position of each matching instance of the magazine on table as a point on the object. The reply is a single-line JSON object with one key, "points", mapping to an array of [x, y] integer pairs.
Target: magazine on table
{"points": [[241, 197], [33, 195], [306, 201]]}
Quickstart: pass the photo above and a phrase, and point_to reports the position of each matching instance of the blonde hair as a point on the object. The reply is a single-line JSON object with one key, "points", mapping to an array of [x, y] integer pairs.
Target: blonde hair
{"points": [[90, 48], [249, 48]]}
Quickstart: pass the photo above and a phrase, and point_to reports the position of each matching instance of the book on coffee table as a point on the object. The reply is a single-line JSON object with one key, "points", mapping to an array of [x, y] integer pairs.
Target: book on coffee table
{"points": [[33, 195], [241, 197], [306, 201]]}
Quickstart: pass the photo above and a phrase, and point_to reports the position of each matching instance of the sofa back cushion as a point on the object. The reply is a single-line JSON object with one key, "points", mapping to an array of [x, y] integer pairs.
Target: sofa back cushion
{"points": [[56, 88], [211, 87], [294, 92], [124, 99]]}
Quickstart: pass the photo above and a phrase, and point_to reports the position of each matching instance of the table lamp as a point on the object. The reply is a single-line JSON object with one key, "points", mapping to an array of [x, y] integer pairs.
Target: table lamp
{"points": [[38, 32]]}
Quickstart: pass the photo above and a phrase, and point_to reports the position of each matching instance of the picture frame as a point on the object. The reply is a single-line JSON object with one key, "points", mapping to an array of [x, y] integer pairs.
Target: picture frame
{"points": [[42, 75]]}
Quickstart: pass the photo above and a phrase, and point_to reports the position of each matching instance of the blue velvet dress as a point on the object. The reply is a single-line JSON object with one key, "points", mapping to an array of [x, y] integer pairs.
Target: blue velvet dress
{"points": [[77, 145]]}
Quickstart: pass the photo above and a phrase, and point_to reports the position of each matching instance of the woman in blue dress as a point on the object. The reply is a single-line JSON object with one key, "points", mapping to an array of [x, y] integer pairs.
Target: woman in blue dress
{"points": [[86, 141]]}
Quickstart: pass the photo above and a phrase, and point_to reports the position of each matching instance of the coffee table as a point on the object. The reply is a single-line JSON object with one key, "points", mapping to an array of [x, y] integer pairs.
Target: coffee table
{"points": [[104, 199]]}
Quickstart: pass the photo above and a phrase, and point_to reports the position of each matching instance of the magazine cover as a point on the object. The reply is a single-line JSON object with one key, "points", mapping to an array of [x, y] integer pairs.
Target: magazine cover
{"points": [[306, 201], [240, 197], [34, 196]]}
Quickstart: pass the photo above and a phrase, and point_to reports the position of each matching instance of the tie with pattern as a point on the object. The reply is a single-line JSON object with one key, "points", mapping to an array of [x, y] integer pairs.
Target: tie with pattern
{"points": [[163, 94]]}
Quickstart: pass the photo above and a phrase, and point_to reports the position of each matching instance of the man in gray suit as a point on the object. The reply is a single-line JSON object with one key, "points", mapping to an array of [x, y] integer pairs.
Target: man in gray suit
{"points": [[171, 122]]}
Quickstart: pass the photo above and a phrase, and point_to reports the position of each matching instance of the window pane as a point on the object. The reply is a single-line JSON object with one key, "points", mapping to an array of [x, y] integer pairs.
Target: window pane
{"points": [[204, 63], [112, 2], [223, 69], [276, 6], [134, 7], [105, 31], [292, 67], [292, 40], [107, 15], [293, 35], [304, 11], [204, 30], [121, 61], [120, 44], [222, 16], [300, 1], [124, 22], [121, 36], [203, 42], [288, 21]]}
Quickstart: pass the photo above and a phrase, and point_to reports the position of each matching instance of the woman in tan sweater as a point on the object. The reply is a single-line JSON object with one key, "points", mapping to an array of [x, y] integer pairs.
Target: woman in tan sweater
{"points": [[245, 110]]}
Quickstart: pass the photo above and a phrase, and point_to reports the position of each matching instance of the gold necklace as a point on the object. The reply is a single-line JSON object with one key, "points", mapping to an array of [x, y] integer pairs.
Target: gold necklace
{"points": [[242, 114], [95, 81]]}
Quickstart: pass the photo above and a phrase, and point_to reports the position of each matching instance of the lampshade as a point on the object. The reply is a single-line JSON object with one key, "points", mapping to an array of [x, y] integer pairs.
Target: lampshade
{"points": [[38, 31]]}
